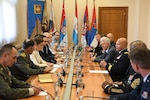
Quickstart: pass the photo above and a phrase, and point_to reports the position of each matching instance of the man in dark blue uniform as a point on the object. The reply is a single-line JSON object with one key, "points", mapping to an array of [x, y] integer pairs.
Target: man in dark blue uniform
{"points": [[121, 62], [129, 83], [140, 61]]}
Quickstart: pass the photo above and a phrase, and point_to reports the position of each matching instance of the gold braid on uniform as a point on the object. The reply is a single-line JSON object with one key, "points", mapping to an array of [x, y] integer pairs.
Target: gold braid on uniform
{"points": [[23, 54], [109, 67], [135, 83]]}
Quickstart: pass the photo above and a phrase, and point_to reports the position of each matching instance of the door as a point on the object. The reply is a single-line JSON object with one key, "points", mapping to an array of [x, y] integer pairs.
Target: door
{"points": [[113, 20]]}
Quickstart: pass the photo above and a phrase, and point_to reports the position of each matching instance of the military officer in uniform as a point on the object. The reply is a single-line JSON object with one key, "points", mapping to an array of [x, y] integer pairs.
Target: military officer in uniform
{"points": [[121, 62], [140, 61], [132, 80], [10, 87], [24, 67]]}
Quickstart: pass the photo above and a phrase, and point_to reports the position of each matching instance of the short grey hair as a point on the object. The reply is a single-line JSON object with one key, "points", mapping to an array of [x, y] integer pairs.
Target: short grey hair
{"points": [[105, 39]]}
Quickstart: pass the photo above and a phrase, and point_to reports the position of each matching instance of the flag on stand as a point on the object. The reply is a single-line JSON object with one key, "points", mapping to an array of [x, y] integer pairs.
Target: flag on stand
{"points": [[75, 30], [85, 30], [93, 26], [63, 30], [52, 26], [34, 13]]}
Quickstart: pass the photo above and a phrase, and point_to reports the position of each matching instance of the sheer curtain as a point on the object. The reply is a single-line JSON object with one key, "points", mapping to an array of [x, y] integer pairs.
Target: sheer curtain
{"points": [[8, 21]]}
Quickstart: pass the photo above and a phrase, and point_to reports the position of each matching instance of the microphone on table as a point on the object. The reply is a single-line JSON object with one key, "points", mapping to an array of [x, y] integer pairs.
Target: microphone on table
{"points": [[60, 80], [63, 70], [43, 91]]}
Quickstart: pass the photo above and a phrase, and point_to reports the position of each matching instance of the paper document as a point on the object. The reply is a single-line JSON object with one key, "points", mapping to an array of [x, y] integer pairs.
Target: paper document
{"points": [[54, 70], [45, 78], [60, 53], [99, 71], [42, 93], [57, 65], [63, 57]]}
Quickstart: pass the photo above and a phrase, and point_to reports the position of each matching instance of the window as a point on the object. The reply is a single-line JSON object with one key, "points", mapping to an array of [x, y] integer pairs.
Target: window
{"points": [[8, 21]]}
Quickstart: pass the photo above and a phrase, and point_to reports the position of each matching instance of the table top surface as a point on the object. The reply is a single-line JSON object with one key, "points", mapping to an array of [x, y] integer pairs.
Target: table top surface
{"points": [[92, 81]]}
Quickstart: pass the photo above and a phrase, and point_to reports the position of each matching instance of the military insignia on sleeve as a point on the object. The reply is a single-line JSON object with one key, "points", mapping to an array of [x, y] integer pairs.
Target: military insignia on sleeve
{"points": [[1, 69], [126, 53], [119, 57], [144, 94], [23, 54]]}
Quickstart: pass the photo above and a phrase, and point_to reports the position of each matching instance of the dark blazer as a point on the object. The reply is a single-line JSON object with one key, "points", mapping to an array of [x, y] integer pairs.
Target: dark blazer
{"points": [[142, 92], [113, 44], [10, 87], [24, 67], [119, 66], [97, 50], [107, 56], [47, 55]]}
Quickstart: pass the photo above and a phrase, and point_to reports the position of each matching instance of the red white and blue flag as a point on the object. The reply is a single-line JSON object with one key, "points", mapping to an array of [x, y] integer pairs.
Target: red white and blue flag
{"points": [[93, 26], [75, 30], [63, 30], [85, 29]]}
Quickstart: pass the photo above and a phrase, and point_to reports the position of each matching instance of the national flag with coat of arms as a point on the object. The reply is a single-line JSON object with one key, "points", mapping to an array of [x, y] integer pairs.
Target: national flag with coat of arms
{"points": [[85, 30], [93, 27], [63, 29], [75, 30]]}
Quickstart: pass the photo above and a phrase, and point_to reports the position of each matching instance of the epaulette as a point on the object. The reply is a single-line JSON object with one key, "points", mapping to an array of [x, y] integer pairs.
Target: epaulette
{"points": [[23, 54], [1, 69], [126, 53]]}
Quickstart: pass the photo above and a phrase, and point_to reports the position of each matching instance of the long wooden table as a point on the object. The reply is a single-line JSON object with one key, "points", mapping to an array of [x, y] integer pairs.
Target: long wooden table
{"points": [[92, 81]]}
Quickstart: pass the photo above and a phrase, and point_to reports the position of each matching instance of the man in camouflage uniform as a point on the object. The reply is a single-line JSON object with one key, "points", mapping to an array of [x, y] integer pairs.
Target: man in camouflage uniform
{"points": [[24, 67], [10, 87]]}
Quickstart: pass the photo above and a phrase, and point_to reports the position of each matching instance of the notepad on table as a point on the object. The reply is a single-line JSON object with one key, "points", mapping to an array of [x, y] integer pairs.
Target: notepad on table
{"points": [[45, 78], [99, 71]]}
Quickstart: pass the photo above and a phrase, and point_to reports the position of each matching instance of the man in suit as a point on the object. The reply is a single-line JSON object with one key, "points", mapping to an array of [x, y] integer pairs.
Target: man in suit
{"points": [[121, 62], [140, 61], [109, 51], [24, 67], [111, 37], [98, 49], [10, 87], [46, 53]]}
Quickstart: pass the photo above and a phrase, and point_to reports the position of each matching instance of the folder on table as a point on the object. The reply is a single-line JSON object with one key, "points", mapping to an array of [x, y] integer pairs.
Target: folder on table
{"points": [[45, 78]]}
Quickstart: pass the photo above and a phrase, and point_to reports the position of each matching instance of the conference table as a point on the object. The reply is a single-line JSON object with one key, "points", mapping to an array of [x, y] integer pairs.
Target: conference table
{"points": [[92, 82]]}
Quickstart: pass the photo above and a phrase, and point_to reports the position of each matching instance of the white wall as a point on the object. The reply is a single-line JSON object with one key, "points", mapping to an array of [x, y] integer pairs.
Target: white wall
{"points": [[22, 21], [138, 16]]}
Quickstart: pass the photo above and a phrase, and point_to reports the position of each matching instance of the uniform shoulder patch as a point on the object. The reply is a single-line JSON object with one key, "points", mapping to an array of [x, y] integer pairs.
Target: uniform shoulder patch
{"points": [[126, 53], [23, 54]]}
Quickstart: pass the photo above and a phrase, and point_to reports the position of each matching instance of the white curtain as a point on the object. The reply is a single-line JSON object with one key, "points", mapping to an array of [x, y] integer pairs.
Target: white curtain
{"points": [[8, 21]]}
